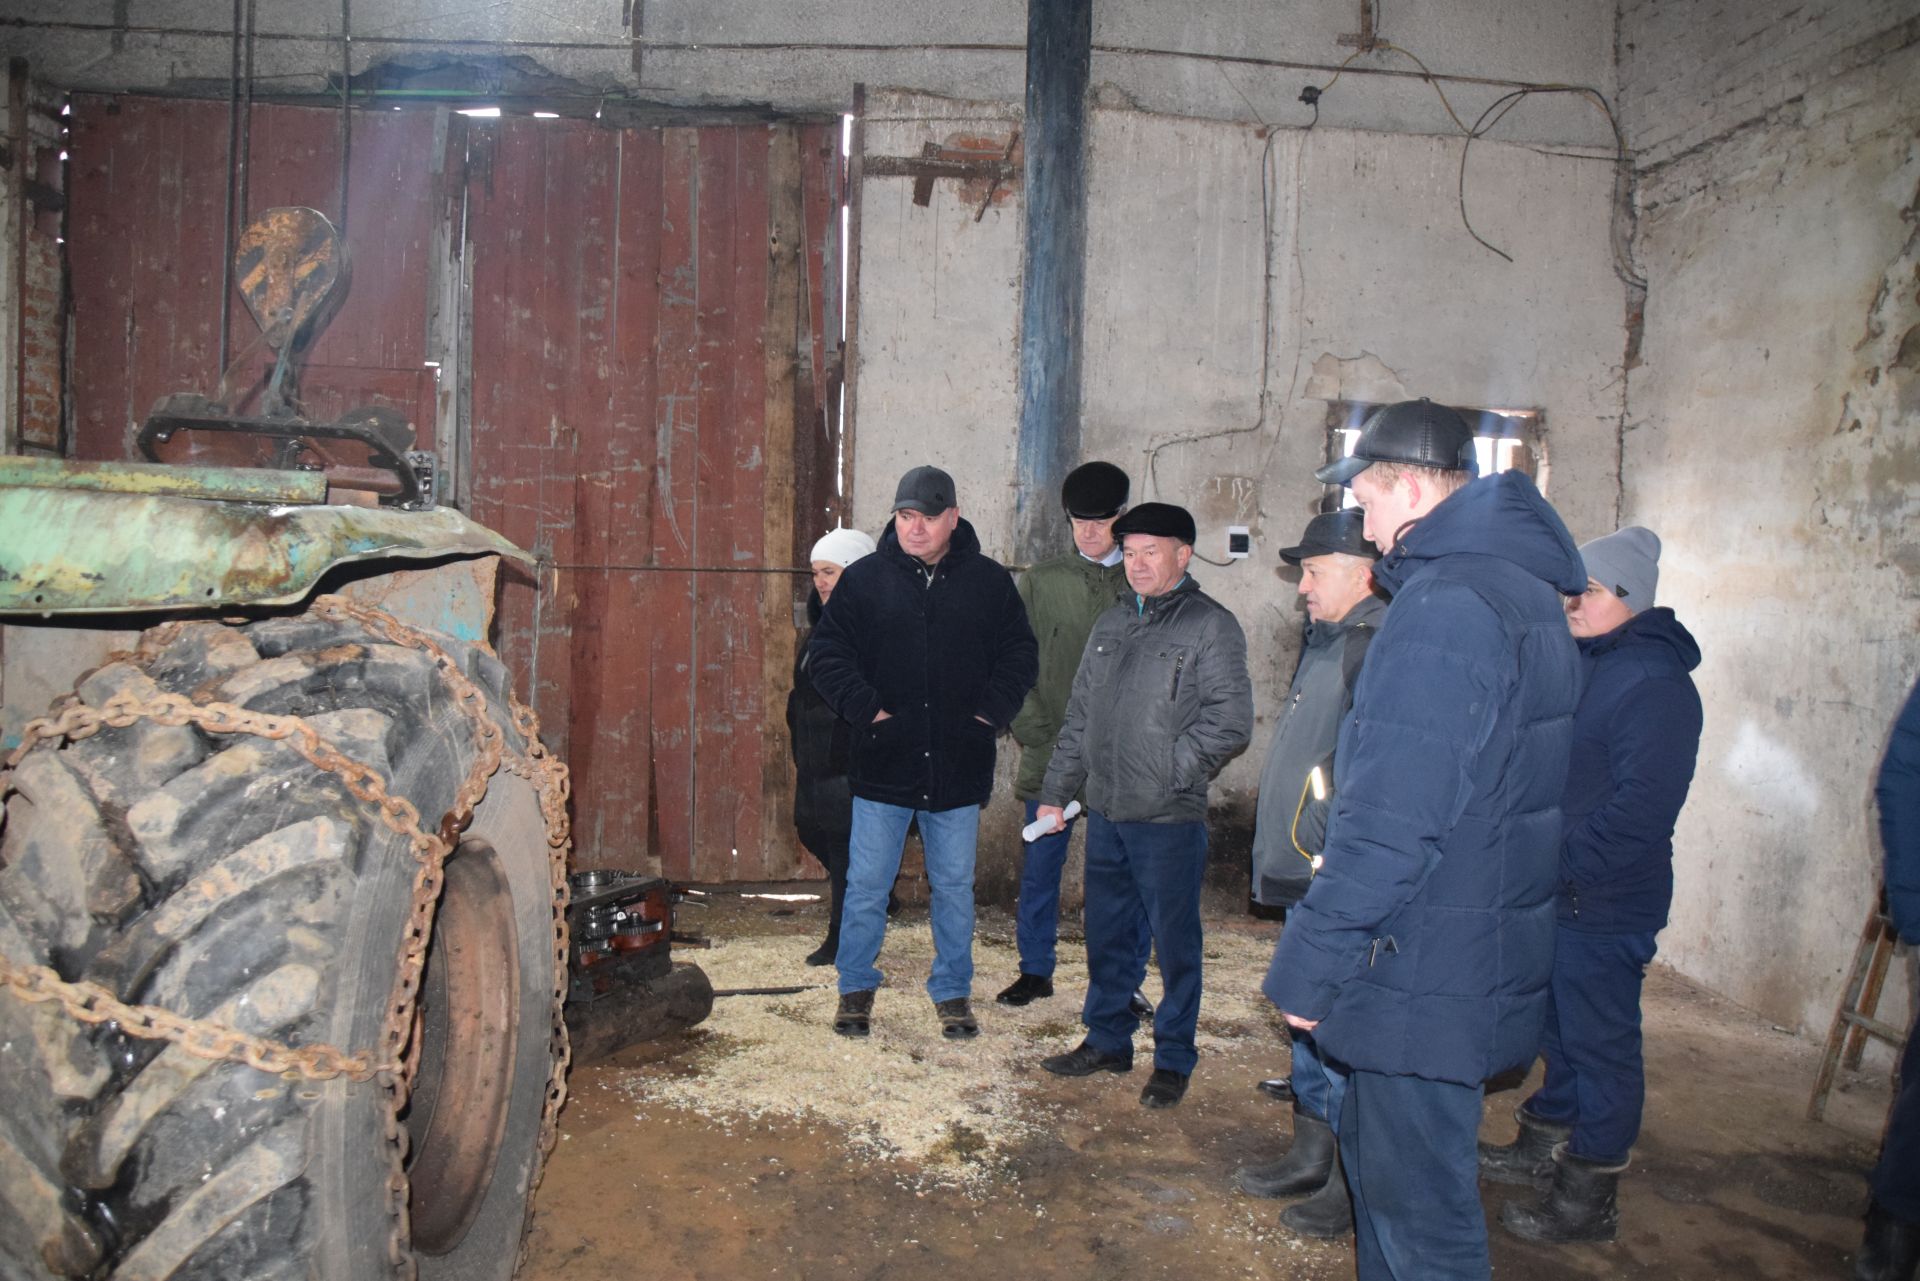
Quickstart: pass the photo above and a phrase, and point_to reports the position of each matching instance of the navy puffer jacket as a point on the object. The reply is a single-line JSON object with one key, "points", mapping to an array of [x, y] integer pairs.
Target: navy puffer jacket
{"points": [[1425, 943], [933, 651], [1634, 742]]}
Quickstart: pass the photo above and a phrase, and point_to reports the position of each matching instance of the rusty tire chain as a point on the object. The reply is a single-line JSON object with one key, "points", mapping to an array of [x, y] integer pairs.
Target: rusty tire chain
{"points": [[551, 780], [91, 1003]]}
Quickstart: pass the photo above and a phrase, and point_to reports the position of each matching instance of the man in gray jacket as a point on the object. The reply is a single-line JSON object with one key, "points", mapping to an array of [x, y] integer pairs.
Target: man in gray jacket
{"points": [[1336, 581], [1160, 704]]}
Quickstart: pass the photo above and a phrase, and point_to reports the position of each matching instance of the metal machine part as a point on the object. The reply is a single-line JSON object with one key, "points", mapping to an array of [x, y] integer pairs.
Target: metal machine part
{"points": [[113, 537], [291, 267], [621, 926]]}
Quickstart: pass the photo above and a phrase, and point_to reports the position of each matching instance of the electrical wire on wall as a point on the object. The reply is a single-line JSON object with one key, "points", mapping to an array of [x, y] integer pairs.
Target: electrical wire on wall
{"points": [[1496, 111], [1266, 323], [1620, 229]]}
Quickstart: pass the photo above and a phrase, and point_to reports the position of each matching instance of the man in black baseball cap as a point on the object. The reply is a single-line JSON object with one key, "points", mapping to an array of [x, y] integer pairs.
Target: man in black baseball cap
{"points": [[1420, 957], [1063, 595], [925, 651], [1159, 706]]}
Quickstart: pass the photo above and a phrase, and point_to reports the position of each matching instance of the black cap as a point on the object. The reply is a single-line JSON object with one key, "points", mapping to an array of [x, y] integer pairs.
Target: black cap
{"points": [[1094, 491], [1418, 433], [927, 490], [1343, 532], [1162, 520]]}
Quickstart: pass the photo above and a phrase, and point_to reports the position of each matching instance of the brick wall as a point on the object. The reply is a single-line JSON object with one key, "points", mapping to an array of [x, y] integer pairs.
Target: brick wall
{"points": [[1694, 70]]}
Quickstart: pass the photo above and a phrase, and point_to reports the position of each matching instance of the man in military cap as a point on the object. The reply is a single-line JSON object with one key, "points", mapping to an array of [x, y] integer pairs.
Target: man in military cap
{"points": [[1159, 706], [1064, 596]]}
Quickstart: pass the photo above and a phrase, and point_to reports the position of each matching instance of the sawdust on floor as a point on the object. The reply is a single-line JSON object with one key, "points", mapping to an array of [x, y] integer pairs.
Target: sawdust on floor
{"points": [[943, 1112]]}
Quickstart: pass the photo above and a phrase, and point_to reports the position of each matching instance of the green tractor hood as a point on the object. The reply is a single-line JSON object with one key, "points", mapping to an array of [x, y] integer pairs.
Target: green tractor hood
{"points": [[118, 537]]}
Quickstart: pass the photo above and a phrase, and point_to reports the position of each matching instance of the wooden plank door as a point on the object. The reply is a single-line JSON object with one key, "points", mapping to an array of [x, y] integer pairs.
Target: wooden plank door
{"points": [[641, 300]]}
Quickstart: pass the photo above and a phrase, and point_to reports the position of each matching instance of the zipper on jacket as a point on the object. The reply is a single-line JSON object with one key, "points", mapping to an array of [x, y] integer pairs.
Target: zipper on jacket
{"points": [[1373, 953], [1179, 661]]}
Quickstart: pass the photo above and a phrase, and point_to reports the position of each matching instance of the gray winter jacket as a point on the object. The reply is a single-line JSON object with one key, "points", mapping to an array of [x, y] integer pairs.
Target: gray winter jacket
{"points": [[1159, 706], [1302, 739]]}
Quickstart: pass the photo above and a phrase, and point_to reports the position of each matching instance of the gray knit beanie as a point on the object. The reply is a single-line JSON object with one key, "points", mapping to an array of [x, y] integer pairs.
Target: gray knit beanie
{"points": [[1626, 563]]}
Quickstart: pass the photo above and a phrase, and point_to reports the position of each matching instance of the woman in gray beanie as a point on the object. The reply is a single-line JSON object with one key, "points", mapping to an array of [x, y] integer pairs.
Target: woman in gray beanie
{"points": [[1635, 736], [822, 743]]}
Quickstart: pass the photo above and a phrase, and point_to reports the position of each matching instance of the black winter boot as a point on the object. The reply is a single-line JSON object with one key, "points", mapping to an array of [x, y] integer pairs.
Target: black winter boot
{"points": [[1303, 1169], [1526, 1162], [1327, 1215], [1889, 1250], [1580, 1206]]}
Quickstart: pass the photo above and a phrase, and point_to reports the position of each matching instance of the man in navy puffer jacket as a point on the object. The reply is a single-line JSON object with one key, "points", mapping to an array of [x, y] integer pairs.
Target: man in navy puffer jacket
{"points": [[1634, 742], [1419, 958]]}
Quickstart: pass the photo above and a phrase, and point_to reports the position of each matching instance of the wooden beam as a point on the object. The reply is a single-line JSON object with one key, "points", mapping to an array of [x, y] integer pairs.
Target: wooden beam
{"points": [[1059, 59], [786, 270]]}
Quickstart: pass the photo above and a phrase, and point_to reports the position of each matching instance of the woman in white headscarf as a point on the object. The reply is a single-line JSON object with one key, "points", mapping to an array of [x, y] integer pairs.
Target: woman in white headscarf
{"points": [[822, 799]]}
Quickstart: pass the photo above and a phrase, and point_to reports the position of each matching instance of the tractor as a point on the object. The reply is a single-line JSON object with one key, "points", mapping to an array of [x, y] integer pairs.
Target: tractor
{"points": [[284, 943]]}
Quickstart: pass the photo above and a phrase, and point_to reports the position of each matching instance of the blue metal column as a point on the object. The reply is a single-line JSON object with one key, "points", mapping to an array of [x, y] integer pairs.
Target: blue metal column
{"points": [[1054, 266]]}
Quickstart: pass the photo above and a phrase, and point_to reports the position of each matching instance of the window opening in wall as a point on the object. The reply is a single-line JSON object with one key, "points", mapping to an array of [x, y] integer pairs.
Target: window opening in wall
{"points": [[1503, 440]]}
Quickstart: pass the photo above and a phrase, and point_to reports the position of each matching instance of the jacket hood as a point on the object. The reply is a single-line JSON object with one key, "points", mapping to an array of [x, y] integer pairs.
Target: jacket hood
{"points": [[1368, 609], [1657, 627], [1501, 516], [965, 543]]}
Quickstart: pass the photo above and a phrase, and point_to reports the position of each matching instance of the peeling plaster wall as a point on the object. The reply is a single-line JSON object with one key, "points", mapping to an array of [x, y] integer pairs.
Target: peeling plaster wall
{"points": [[1377, 293], [806, 55], [1774, 443]]}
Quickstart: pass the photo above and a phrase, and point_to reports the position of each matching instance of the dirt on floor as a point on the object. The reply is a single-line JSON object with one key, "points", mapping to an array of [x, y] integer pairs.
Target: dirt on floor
{"points": [[762, 1145]]}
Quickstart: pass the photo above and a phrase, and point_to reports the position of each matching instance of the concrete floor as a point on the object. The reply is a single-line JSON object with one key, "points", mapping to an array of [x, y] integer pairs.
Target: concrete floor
{"points": [[760, 1145]]}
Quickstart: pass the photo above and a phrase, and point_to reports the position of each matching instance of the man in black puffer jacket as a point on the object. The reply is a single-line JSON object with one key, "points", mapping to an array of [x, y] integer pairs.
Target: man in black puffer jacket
{"points": [[1634, 742], [925, 650], [1419, 958]]}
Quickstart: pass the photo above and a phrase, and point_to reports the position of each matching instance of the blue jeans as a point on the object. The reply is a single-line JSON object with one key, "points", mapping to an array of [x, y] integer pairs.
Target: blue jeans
{"points": [[879, 836], [1595, 1078], [1037, 927], [1410, 1148], [1144, 876], [1318, 1087]]}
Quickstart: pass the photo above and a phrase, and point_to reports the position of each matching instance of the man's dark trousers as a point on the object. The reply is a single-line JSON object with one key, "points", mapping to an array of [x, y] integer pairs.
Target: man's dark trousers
{"points": [[1896, 1179], [1591, 1041], [1416, 1212], [1144, 874], [1037, 924]]}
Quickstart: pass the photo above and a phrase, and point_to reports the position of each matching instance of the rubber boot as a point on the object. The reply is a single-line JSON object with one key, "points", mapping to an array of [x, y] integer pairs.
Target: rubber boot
{"points": [[1581, 1205], [1302, 1170], [1526, 1162], [1889, 1250], [1327, 1215]]}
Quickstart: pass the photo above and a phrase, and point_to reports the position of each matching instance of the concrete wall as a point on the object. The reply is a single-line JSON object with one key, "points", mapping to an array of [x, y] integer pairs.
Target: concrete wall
{"points": [[1217, 330], [1774, 442], [1377, 293], [1227, 59]]}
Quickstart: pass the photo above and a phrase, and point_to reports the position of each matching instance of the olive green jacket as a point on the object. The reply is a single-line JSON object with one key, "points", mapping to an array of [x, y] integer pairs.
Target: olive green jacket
{"points": [[1063, 597]]}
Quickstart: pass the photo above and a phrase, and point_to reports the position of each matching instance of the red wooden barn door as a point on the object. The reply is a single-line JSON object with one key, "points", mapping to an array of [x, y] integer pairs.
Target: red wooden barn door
{"points": [[647, 369], [145, 258], [641, 301]]}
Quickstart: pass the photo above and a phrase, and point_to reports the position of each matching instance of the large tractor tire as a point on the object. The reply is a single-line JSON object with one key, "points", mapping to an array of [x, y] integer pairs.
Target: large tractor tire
{"points": [[223, 878]]}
